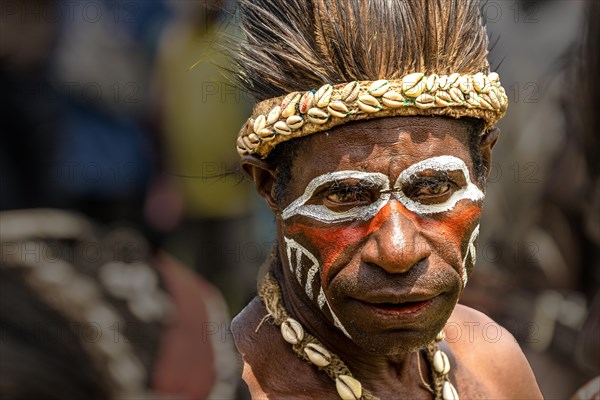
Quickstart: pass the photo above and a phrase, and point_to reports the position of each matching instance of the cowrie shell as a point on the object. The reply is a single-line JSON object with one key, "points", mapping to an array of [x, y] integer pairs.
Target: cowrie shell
{"points": [[456, 95], [452, 79], [282, 128], [448, 392], [292, 331], [392, 99], [247, 144], [266, 134], [306, 102], [323, 95], [486, 85], [317, 355], [479, 81], [274, 115], [502, 98], [368, 103], [289, 106], [494, 77], [259, 123], [424, 106], [350, 92], [240, 142], [288, 99], [425, 98], [440, 336], [443, 82], [494, 101], [317, 115], [441, 102], [295, 122], [253, 137], [412, 84], [338, 109], [473, 99], [441, 364], [485, 101], [348, 388], [444, 96], [425, 101], [432, 83], [503, 103], [378, 88], [464, 84]]}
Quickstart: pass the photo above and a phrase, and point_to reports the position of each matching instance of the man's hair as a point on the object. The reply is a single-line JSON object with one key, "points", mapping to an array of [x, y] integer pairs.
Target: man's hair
{"points": [[296, 45]]}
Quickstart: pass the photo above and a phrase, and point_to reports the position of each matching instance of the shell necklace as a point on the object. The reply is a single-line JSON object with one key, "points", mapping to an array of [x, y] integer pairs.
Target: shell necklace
{"points": [[310, 349]]}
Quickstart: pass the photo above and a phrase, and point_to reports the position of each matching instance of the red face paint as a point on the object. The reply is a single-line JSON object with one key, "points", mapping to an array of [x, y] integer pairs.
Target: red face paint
{"points": [[327, 242], [452, 229]]}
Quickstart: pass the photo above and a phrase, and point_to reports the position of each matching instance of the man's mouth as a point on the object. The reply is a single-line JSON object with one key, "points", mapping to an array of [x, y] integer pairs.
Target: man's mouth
{"points": [[397, 305], [399, 309]]}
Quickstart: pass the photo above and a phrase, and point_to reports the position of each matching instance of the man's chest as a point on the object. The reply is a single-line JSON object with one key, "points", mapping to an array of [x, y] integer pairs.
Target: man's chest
{"points": [[291, 379]]}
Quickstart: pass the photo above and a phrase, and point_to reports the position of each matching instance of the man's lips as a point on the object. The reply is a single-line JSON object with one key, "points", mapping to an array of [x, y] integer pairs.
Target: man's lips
{"points": [[394, 298], [397, 305], [399, 309]]}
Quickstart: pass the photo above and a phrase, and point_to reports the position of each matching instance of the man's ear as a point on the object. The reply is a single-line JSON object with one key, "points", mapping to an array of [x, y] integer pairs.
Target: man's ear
{"points": [[487, 143], [263, 175]]}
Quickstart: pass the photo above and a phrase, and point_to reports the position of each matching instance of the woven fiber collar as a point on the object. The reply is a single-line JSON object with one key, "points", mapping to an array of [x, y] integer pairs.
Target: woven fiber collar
{"points": [[300, 114]]}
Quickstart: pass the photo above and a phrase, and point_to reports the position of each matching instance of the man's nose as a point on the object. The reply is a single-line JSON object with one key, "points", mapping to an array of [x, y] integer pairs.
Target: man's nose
{"points": [[397, 245]]}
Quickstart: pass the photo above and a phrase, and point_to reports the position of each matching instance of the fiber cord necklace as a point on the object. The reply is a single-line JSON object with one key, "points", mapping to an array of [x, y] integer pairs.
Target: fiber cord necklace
{"points": [[310, 349]]}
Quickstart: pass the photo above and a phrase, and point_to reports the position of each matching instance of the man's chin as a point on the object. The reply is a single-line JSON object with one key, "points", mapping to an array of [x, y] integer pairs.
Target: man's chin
{"points": [[392, 329], [397, 342]]}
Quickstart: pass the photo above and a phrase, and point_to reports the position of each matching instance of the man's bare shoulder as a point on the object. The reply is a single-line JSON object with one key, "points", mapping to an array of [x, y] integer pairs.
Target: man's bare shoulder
{"points": [[244, 324], [488, 351]]}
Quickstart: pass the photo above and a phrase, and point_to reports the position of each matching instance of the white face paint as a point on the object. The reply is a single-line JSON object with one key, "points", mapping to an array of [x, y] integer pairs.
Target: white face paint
{"points": [[293, 248], [441, 164], [321, 213], [305, 266], [471, 251], [378, 182]]}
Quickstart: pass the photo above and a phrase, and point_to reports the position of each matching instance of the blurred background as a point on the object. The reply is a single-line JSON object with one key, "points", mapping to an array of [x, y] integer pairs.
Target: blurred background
{"points": [[130, 236]]}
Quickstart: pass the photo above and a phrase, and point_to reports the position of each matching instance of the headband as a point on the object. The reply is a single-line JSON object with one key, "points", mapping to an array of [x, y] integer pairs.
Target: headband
{"points": [[300, 114]]}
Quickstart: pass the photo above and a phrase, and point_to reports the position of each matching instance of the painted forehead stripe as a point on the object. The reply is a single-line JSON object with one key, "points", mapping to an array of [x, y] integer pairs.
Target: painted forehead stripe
{"points": [[440, 163]]}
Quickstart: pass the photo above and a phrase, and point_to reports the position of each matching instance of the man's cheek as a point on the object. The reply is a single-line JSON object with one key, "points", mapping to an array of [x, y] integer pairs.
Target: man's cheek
{"points": [[453, 225], [453, 236], [306, 264], [327, 243]]}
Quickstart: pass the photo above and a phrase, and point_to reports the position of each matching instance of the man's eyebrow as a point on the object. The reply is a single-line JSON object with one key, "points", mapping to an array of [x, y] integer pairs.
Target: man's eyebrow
{"points": [[433, 166], [350, 182], [430, 175], [345, 175]]}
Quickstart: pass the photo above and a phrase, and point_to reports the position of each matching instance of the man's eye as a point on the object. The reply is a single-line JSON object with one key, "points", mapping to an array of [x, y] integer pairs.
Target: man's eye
{"points": [[348, 196], [434, 190], [431, 191], [341, 199]]}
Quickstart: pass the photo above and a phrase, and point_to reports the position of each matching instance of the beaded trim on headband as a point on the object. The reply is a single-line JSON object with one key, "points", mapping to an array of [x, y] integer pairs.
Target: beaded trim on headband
{"points": [[303, 113]]}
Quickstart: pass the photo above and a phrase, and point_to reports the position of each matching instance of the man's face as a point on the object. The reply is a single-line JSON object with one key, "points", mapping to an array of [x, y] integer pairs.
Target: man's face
{"points": [[379, 223]]}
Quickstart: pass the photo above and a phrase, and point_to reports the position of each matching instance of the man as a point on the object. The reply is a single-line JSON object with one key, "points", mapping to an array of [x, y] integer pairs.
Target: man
{"points": [[371, 144]]}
